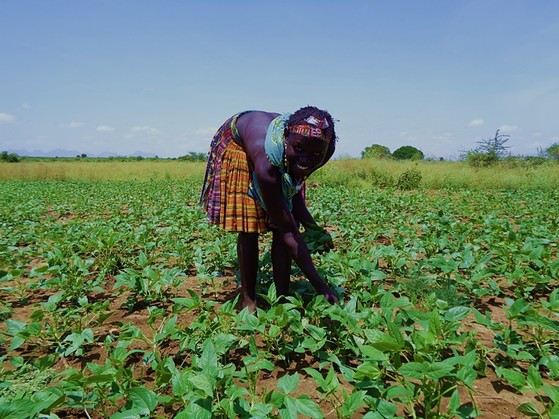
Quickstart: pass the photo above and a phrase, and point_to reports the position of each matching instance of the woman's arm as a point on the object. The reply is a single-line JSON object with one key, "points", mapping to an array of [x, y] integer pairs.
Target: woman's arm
{"points": [[317, 238], [281, 217], [300, 210], [253, 127]]}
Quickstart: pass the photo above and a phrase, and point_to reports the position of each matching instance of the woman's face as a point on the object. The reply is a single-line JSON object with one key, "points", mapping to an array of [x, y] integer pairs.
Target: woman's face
{"points": [[304, 154]]}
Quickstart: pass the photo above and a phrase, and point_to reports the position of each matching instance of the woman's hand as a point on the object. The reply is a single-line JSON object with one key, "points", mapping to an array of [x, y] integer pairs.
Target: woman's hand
{"points": [[328, 294]]}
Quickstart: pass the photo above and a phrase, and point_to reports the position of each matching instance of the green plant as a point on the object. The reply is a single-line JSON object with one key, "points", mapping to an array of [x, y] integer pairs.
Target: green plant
{"points": [[408, 180], [408, 152]]}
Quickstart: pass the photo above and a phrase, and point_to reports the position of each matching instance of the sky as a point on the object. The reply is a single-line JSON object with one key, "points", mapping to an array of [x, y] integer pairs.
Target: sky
{"points": [[136, 76]]}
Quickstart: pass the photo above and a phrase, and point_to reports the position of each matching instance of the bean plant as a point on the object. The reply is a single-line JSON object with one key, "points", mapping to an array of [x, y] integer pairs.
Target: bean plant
{"points": [[118, 300]]}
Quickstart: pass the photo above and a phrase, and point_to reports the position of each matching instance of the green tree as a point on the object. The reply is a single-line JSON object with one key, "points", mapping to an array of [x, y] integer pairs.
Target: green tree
{"points": [[9, 157], [408, 152], [553, 151], [193, 156], [376, 151]]}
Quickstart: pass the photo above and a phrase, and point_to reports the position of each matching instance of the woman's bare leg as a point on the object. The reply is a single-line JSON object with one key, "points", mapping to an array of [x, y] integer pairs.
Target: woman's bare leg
{"points": [[281, 262], [247, 252]]}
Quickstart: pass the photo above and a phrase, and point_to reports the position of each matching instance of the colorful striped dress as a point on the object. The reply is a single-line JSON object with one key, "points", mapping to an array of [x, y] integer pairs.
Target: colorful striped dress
{"points": [[230, 195]]}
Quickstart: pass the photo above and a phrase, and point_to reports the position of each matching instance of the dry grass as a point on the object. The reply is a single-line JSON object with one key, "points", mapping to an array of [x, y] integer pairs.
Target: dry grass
{"points": [[343, 172], [439, 174], [102, 170]]}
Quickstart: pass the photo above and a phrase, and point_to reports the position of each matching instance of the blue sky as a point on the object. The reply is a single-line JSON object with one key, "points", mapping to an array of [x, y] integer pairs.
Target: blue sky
{"points": [[125, 76]]}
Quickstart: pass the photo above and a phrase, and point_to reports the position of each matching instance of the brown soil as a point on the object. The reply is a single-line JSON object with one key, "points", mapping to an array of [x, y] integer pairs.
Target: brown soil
{"points": [[494, 398]]}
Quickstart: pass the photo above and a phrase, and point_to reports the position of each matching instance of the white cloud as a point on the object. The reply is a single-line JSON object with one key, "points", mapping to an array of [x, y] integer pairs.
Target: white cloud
{"points": [[105, 128], [72, 124], [25, 106], [148, 129], [6, 118], [508, 128], [476, 123]]}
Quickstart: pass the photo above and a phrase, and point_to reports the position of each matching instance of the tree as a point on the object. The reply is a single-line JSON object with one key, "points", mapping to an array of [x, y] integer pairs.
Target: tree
{"points": [[489, 151], [376, 151], [494, 146], [408, 152], [193, 156], [553, 151], [9, 157]]}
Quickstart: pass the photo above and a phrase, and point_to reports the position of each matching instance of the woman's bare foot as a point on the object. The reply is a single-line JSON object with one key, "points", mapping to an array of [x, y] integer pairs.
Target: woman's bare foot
{"points": [[250, 303]]}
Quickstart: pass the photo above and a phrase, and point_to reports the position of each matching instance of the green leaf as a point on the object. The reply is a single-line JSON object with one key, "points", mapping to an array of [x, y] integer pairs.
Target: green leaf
{"points": [[99, 378], [203, 383], [317, 376], [248, 321], [425, 370], [387, 409], [291, 409], [354, 401], [143, 399], [260, 410], [369, 370], [435, 324], [467, 375], [180, 383], [307, 407], [382, 341], [515, 378], [17, 409], [529, 409], [209, 355], [17, 361], [142, 259], [454, 402], [15, 327], [127, 414], [534, 378], [288, 383], [48, 399], [399, 393], [316, 332], [456, 314], [372, 353]]}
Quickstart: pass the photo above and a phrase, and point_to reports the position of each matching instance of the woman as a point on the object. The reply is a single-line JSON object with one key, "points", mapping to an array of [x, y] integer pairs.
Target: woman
{"points": [[257, 167]]}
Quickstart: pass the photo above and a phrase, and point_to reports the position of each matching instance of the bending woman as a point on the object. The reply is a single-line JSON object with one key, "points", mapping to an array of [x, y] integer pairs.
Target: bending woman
{"points": [[257, 167]]}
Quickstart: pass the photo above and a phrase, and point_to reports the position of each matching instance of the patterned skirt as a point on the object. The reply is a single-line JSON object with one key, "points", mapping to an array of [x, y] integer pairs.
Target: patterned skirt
{"points": [[224, 195]]}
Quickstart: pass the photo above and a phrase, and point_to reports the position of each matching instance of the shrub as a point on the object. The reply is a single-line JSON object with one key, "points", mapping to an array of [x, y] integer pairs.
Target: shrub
{"points": [[478, 159], [410, 179]]}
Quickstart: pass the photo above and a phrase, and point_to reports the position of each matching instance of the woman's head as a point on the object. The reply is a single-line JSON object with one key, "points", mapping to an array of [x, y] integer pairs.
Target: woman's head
{"points": [[310, 140], [314, 119]]}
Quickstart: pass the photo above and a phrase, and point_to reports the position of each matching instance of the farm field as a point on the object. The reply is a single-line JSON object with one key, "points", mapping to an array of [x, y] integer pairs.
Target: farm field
{"points": [[118, 300]]}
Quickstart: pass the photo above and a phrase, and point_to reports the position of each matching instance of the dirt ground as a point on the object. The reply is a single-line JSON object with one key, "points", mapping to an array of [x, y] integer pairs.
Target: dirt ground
{"points": [[494, 398]]}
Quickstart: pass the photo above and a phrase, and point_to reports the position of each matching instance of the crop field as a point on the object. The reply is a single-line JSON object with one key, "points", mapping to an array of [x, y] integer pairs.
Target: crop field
{"points": [[118, 300]]}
